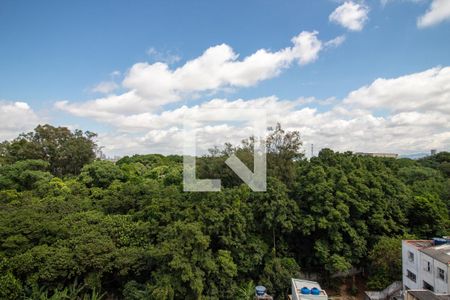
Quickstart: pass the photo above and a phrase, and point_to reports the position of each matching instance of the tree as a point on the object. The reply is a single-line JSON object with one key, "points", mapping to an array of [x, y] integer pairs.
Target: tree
{"points": [[246, 291], [64, 150], [101, 174], [283, 150], [346, 203], [129, 230], [10, 287], [440, 161], [277, 275], [385, 262], [188, 268], [24, 175], [428, 217], [445, 168], [275, 210]]}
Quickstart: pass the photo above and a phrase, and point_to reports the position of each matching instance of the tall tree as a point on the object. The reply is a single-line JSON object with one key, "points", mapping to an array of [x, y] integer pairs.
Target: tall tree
{"points": [[64, 150], [283, 150]]}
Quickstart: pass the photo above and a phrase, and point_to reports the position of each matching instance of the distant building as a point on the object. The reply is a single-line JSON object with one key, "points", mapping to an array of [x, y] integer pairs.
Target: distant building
{"points": [[426, 265], [306, 290], [375, 154]]}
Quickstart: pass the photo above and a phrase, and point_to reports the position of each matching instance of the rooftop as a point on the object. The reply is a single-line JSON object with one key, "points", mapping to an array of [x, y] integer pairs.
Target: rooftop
{"points": [[298, 284], [440, 253], [428, 295], [420, 244]]}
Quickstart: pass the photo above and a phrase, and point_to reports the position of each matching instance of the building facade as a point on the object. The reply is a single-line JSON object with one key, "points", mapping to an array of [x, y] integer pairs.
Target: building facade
{"points": [[426, 266]]}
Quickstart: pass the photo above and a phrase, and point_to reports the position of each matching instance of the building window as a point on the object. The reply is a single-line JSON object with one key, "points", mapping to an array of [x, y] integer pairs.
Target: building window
{"points": [[428, 286], [441, 274], [410, 256], [428, 266], [411, 276]]}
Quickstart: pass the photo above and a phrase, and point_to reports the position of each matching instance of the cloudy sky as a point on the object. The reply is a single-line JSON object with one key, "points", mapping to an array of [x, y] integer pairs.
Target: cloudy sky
{"points": [[369, 75]]}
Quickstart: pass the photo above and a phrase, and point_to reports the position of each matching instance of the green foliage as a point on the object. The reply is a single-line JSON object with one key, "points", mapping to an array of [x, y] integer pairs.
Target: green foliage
{"points": [[416, 173], [8, 196], [277, 274], [246, 291], [385, 262], [428, 216], [277, 213], [283, 150], [10, 287], [65, 151], [128, 230], [183, 249], [347, 202], [100, 174], [24, 175], [135, 291], [74, 291], [440, 161]]}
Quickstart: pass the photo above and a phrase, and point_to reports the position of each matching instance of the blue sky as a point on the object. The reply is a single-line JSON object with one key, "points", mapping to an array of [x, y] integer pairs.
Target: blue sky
{"points": [[53, 51]]}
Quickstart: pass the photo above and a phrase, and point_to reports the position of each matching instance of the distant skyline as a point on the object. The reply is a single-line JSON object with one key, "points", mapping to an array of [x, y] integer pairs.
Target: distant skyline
{"points": [[370, 76]]}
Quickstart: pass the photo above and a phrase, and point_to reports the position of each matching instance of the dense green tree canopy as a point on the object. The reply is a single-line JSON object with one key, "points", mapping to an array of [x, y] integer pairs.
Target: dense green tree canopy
{"points": [[72, 226]]}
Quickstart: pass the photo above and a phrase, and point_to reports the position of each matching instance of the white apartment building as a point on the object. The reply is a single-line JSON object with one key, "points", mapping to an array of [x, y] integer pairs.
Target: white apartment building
{"points": [[426, 265]]}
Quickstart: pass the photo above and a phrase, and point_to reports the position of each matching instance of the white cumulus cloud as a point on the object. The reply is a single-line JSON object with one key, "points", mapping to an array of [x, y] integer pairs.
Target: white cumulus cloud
{"points": [[166, 57], [438, 12], [218, 67], [350, 15], [17, 117], [105, 87], [152, 85], [424, 91], [416, 117], [336, 42]]}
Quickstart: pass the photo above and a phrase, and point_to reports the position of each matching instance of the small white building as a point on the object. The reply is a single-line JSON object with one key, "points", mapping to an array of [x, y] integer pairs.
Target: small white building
{"points": [[307, 290], [426, 265]]}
